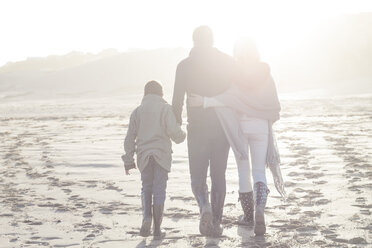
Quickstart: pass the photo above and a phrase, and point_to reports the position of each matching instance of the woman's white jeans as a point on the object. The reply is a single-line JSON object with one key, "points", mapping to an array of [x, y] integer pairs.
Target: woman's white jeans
{"points": [[256, 132]]}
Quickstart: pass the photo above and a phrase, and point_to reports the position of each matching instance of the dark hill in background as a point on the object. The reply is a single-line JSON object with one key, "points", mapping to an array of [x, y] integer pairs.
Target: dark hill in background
{"points": [[336, 56], [104, 72]]}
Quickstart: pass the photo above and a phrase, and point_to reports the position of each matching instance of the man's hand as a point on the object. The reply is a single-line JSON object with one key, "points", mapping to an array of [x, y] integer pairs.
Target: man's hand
{"points": [[194, 100], [127, 172]]}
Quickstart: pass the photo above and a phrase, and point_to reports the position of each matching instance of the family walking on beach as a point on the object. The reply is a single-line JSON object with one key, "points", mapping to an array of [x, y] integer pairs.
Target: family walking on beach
{"points": [[231, 102]]}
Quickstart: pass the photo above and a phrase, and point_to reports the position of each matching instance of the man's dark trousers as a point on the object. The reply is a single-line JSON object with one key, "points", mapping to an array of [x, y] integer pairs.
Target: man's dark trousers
{"points": [[208, 147]]}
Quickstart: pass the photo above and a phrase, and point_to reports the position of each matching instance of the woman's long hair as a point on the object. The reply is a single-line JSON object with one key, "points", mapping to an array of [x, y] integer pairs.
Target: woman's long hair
{"points": [[245, 51], [252, 72]]}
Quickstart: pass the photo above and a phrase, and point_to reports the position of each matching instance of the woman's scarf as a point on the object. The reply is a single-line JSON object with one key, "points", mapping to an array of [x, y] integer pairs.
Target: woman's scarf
{"points": [[259, 102]]}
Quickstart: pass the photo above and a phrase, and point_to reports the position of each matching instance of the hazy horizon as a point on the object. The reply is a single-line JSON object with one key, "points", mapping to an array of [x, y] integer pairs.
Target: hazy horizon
{"points": [[323, 47], [44, 28], [334, 58]]}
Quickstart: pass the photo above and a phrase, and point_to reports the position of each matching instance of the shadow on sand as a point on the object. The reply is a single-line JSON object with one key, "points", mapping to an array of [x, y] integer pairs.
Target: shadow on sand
{"points": [[249, 239]]}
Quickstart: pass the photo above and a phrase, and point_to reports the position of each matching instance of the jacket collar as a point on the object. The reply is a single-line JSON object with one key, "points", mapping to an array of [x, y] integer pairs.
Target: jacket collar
{"points": [[152, 98], [202, 51]]}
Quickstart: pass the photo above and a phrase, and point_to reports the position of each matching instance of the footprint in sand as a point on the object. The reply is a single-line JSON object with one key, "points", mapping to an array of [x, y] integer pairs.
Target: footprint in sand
{"points": [[314, 213], [290, 184], [361, 200], [322, 202], [365, 211], [89, 237], [320, 182], [110, 186], [312, 175], [33, 223], [88, 214], [67, 191], [31, 242]]}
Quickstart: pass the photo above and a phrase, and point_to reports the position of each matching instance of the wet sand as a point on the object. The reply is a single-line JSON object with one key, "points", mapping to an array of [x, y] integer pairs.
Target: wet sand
{"points": [[62, 182]]}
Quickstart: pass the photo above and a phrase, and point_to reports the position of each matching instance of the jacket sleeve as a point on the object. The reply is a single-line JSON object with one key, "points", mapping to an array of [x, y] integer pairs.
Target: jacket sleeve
{"points": [[130, 142], [173, 129], [211, 102], [179, 93]]}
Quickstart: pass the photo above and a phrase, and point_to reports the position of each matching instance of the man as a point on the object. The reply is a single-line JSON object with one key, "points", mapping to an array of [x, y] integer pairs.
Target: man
{"points": [[206, 72]]}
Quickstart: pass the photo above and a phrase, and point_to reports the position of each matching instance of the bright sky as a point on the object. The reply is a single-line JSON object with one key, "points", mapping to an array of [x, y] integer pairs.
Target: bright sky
{"points": [[43, 27]]}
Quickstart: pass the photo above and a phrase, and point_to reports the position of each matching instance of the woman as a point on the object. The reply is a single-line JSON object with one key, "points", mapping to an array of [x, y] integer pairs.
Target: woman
{"points": [[247, 111]]}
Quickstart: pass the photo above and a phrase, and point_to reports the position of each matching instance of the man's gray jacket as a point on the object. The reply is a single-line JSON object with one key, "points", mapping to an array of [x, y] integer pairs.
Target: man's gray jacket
{"points": [[206, 72]]}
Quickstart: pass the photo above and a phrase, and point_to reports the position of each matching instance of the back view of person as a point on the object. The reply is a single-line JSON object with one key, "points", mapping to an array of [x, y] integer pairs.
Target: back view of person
{"points": [[252, 107], [151, 128], [206, 72]]}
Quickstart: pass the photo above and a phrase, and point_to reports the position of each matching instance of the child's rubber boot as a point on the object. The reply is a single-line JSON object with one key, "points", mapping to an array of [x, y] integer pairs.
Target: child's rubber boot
{"points": [[147, 214], [158, 218]]}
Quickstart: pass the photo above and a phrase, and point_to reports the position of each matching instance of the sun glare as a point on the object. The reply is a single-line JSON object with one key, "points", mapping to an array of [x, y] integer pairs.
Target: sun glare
{"points": [[94, 26], [273, 30]]}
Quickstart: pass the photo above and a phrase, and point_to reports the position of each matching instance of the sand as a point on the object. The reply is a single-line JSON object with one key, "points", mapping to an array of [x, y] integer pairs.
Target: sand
{"points": [[62, 182]]}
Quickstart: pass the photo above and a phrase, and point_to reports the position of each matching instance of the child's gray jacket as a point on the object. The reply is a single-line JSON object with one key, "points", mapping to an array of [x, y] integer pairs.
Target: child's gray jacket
{"points": [[151, 127]]}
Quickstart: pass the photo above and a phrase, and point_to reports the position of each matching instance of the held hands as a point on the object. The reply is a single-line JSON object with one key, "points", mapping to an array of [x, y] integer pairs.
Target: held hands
{"points": [[194, 100]]}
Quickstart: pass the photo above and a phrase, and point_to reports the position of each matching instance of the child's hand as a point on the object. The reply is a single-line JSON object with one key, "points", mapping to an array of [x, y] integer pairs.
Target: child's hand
{"points": [[128, 167]]}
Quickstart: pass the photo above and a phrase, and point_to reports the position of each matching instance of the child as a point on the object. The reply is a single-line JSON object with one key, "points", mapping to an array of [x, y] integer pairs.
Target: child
{"points": [[152, 125]]}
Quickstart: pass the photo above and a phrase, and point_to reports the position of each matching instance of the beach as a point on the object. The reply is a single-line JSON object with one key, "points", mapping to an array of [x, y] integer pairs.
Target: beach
{"points": [[63, 184]]}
